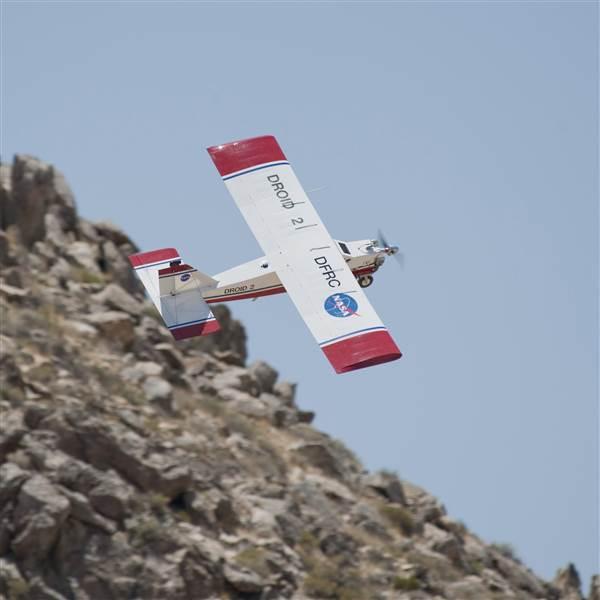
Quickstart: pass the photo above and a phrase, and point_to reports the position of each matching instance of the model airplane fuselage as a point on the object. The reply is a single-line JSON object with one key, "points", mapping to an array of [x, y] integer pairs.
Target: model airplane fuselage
{"points": [[258, 278], [323, 277]]}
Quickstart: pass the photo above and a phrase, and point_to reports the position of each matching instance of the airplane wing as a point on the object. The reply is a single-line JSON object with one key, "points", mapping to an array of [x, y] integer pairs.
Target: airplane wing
{"points": [[307, 260], [176, 291]]}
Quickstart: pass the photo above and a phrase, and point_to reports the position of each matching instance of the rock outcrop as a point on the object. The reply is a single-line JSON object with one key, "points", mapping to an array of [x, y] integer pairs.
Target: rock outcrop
{"points": [[132, 466]]}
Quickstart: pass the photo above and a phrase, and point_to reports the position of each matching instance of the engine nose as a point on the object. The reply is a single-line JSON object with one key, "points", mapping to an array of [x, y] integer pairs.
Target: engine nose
{"points": [[391, 250]]}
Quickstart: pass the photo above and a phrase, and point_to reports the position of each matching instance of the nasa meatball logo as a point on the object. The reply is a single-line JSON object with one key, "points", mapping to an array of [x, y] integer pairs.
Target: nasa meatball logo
{"points": [[185, 277], [341, 305]]}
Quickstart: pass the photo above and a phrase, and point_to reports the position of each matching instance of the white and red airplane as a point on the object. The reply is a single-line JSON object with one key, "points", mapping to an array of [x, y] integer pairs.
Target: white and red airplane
{"points": [[323, 276]]}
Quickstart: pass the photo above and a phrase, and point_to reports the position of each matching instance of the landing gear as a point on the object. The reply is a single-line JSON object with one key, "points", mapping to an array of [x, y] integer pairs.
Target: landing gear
{"points": [[365, 281]]}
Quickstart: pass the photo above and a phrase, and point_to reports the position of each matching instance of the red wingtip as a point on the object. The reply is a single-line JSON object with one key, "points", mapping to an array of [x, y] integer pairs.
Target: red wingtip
{"points": [[362, 351], [243, 154]]}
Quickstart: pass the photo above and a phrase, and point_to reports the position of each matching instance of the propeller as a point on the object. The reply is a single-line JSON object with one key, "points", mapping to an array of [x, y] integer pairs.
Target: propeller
{"points": [[390, 250]]}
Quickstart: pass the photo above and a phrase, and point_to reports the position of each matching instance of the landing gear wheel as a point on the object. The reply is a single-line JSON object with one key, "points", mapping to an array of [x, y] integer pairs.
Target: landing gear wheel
{"points": [[365, 281]]}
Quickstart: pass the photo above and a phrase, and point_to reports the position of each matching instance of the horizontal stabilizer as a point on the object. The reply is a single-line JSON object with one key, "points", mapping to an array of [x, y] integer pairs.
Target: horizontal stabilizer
{"points": [[176, 291], [183, 308]]}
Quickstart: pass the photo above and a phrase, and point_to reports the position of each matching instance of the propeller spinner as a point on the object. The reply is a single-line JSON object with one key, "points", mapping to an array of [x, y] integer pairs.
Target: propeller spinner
{"points": [[390, 250]]}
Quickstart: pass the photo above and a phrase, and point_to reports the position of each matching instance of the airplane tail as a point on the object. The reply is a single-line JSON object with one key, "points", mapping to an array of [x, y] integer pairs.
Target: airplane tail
{"points": [[176, 288]]}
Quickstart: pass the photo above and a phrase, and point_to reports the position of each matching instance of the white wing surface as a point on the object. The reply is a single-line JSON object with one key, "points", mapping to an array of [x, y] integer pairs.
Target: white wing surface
{"points": [[309, 263]]}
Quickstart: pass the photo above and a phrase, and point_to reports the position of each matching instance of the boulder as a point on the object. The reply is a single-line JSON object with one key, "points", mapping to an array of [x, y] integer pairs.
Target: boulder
{"points": [[12, 293], [85, 256], [113, 296], [12, 583], [112, 445], [81, 329], [264, 374], [11, 432], [314, 506], [12, 478], [305, 416], [204, 549], [244, 404], [286, 391], [264, 513], [476, 551], [82, 510], [115, 326], [152, 330], [41, 591], [78, 475], [518, 575], [55, 231], [8, 346], [132, 419], [14, 276], [140, 370], [7, 253], [567, 580], [229, 342], [39, 514], [386, 484], [7, 208], [237, 378], [366, 517], [242, 579], [112, 232], [7, 527], [159, 391], [87, 231], [171, 356], [443, 542], [469, 588], [496, 583], [115, 264], [202, 581], [332, 488], [335, 542], [212, 509], [107, 492], [424, 506], [12, 384], [36, 190], [112, 496], [320, 456]]}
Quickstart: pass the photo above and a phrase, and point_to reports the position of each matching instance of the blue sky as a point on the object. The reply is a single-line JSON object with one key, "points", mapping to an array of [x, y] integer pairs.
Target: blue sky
{"points": [[467, 131]]}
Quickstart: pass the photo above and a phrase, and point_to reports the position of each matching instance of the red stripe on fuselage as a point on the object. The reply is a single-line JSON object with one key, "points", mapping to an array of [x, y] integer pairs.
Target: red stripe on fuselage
{"points": [[256, 294], [270, 291], [236, 156]]}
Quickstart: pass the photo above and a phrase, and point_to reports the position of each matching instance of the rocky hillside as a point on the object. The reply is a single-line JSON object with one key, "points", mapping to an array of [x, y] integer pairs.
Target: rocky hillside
{"points": [[134, 467]]}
